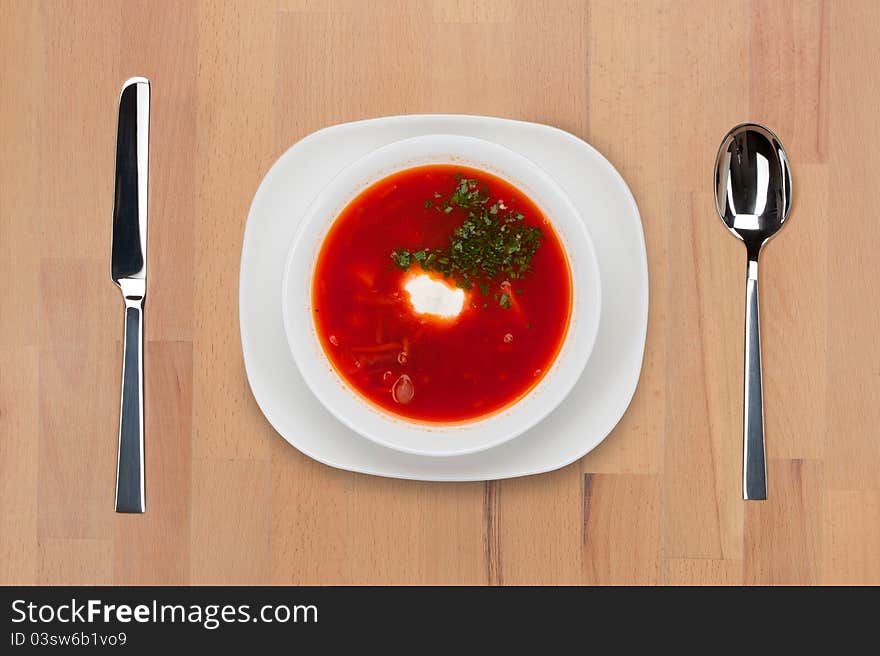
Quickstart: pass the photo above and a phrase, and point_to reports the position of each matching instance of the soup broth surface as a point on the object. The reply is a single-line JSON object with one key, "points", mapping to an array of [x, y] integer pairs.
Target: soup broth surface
{"points": [[434, 341]]}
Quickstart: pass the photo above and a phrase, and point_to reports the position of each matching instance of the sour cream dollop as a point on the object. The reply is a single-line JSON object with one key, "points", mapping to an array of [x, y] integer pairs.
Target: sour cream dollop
{"points": [[428, 295]]}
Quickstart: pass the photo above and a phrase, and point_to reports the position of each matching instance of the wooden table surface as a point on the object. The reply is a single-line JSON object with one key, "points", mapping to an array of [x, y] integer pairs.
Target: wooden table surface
{"points": [[653, 85]]}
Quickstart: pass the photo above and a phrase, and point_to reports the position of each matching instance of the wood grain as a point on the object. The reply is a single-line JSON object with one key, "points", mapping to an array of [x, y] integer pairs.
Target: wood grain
{"points": [[783, 539], [654, 85]]}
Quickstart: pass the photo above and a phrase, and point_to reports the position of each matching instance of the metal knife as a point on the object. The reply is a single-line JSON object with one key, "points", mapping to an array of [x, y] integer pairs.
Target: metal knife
{"points": [[128, 269]]}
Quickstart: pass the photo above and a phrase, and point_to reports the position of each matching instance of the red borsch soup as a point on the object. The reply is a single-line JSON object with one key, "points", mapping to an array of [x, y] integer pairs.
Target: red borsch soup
{"points": [[441, 294]]}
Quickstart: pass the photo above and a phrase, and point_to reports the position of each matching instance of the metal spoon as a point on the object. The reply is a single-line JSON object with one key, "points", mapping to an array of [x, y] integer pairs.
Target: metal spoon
{"points": [[753, 198]]}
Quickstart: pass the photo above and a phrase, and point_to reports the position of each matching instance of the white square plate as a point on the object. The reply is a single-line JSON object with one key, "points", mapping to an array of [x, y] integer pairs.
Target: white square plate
{"points": [[577, 426]]}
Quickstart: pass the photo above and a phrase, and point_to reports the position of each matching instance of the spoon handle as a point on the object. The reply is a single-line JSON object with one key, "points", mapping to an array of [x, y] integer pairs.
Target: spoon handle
{"points": [[754, 462]]}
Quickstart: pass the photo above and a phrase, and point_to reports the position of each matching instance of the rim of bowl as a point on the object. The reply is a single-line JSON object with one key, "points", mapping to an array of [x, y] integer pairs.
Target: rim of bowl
{"points": [[326, 208]]}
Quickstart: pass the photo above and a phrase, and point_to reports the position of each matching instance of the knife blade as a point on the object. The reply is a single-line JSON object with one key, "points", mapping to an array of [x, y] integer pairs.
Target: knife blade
{"points": [[128, 269]]}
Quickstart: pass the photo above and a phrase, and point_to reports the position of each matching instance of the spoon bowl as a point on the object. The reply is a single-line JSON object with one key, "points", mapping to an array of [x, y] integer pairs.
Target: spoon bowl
{"points": [[752, 184], [753, 199]]}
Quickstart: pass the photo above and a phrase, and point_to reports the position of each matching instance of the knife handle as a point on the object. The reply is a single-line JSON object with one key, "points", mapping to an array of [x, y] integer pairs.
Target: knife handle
{"points": [[130, 466]]}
